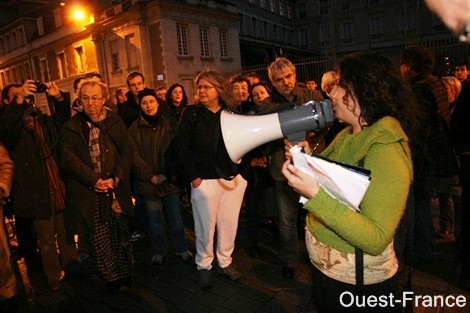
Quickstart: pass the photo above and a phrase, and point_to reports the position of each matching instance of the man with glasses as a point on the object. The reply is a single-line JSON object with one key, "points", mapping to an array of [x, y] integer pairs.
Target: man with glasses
{"points": [[96, 157]]}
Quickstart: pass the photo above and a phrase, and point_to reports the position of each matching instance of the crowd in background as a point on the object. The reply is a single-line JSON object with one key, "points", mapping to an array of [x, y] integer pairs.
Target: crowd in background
{"points": [[110, 170]]}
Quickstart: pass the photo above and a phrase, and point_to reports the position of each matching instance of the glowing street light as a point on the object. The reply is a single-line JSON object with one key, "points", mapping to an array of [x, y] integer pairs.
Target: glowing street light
{"points": [[78, 14]]}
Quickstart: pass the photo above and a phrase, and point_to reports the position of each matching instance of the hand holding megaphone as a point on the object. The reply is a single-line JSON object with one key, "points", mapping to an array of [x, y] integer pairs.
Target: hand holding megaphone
{"points": [[242, 133]]}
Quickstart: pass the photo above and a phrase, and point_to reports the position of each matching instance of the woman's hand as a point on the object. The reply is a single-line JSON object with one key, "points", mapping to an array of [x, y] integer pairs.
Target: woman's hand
{"points": [[196, 183], [302, 183], [301, 144]]}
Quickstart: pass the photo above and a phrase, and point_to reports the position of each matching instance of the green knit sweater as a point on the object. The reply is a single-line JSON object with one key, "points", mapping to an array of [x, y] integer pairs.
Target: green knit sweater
{"points": [[384, 148]]}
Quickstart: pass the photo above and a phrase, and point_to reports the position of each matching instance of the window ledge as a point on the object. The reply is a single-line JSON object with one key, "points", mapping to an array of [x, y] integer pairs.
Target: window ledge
{"points": [[209, 58], [185, 57], [117, 72], [226, 59]]}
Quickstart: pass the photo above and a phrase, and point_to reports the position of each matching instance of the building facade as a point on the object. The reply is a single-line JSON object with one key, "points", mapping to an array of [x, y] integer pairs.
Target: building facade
{"points": [[167, 41]]}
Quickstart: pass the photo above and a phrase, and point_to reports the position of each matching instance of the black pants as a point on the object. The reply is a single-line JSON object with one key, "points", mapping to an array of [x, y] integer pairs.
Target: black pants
{"points": [[329, 293]]}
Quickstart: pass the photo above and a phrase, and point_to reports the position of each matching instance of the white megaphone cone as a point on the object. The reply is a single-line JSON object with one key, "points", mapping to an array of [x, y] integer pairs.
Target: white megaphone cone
{"points": [[242, 133]]}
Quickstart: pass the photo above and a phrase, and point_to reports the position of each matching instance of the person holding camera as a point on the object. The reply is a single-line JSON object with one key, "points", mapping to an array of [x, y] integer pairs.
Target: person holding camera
{"points": [[354, 252], [31, 138]]}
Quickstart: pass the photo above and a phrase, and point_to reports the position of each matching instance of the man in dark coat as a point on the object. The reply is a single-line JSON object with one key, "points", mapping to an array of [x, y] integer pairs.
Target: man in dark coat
{"points": [[287, 94], [96, 157]]}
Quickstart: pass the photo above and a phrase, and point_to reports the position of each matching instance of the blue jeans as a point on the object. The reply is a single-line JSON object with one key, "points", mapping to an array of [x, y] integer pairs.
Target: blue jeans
{"points": [[288, 205], [171, 204], [423, 240]]}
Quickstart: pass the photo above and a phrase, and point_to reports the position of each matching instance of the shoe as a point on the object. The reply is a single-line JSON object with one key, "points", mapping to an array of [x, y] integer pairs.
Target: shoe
{"points": [[157, 259], [127, 281], [113, 286], [288, 272], [185, 256], [136, 236], [230, 272], [253, 251], [205, 280]]}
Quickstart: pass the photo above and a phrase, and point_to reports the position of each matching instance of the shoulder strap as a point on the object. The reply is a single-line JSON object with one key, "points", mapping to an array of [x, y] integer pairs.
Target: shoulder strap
{"points": [[359, 258]]}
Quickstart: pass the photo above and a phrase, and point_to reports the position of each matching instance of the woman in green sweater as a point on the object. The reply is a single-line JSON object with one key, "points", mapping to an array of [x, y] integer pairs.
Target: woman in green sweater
{"points": [[371, 98]]}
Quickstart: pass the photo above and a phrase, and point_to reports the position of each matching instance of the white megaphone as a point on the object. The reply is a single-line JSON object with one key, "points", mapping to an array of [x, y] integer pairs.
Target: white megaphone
{"points": [[242, 133]]}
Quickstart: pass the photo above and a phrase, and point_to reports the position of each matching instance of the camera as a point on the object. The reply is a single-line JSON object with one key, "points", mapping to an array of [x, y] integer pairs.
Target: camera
{"points": [[40, 87]]}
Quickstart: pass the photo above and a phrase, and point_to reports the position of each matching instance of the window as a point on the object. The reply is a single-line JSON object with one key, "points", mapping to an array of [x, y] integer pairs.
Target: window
{"points": [[14, 73], [20, 37], [20, 73], [2, 50], [262, 3], [254, 26], [302, 10], [376, 27], [204, 41], [224, 48], [114, 50], [6, 43], [58, 17], [303, 37], [44, 70], [131, 51], [14, 40], [282, 10], [406, 23], [61, 65], [346, 31], [265, 29], [182, 39], [345, 7], [80, 59], [272, 5], [321, 32], [4, 82]]}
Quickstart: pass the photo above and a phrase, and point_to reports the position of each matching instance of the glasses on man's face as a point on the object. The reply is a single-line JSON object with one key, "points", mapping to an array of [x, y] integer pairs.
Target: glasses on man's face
{"points": [[204, 87], [92, 99]]}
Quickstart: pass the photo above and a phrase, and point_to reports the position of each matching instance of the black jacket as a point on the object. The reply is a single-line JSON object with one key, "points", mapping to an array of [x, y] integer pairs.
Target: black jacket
{"points": [[30, 182]]}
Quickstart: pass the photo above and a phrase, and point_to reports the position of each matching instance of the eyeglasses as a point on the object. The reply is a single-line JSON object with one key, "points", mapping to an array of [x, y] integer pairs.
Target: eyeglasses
{"points": [[205, 87], [92, 99]]}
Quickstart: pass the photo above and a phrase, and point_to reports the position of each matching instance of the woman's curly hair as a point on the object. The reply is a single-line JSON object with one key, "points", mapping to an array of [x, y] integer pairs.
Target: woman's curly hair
{"points": [[379, 89]]}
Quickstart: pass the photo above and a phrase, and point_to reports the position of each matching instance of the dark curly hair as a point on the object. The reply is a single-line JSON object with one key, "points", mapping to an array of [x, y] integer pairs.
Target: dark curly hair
{"points": [[184, 101], [379, 89]]}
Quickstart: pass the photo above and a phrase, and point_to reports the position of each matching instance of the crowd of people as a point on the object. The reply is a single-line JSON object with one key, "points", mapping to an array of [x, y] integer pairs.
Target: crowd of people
{"points": [[105, 172]]}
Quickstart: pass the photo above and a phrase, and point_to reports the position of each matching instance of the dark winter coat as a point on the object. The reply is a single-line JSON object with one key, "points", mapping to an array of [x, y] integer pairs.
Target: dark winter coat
{"points": [[129, 111], [30, 182], [150, 144], [116, 156]]}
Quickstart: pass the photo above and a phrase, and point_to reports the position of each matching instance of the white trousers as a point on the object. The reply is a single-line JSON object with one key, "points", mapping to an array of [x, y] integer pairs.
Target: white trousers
{"points": [[216, 203]]}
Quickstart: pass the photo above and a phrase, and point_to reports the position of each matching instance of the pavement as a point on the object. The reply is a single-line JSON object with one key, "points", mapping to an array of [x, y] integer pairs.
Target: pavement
{"points": [[173, 285]]}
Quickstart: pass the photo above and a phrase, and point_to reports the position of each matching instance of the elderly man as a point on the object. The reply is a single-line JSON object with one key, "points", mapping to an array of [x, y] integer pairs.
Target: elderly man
{"points": [[96, 158], [287, 94]]}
